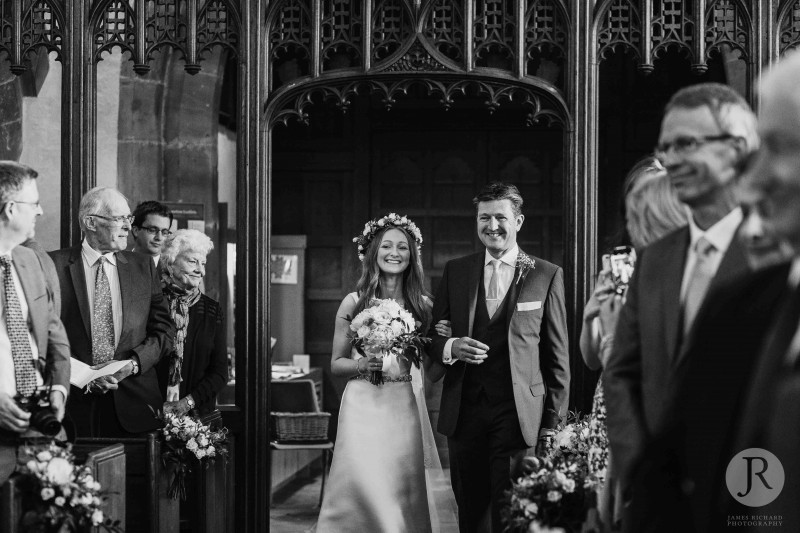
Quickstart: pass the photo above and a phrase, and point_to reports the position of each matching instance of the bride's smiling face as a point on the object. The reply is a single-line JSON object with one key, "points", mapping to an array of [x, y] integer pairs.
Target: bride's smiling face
{"points": [[393, 253]]}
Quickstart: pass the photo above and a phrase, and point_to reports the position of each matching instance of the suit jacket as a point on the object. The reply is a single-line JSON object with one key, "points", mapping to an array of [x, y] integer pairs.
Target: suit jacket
{"points": [[639, 379], [770, 413], [49, 269], [537, 342], [147, 333], [46, 326], [727, 337]]}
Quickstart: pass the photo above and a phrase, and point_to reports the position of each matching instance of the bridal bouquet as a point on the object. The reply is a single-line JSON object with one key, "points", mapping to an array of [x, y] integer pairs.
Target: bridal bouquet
{"points": [[383, 329], [59, 495], [185, 442], [557, 490]]}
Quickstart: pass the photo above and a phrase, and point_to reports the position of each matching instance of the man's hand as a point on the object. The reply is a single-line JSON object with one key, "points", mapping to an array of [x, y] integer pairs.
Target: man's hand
{"points": [[12, 417], [124, 372], [103, 385], [58, 402], [469, 350]]}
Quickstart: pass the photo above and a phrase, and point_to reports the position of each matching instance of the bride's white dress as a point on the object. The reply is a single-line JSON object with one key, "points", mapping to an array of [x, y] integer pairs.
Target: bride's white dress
{"points": [[384, 460]]}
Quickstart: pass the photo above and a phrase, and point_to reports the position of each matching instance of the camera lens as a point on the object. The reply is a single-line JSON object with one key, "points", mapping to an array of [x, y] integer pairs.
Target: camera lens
{"points": [[45, 422]]}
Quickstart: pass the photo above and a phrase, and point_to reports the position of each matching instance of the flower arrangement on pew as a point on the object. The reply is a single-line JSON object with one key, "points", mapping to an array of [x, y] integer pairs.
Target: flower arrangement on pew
{"points": [[59, 495], [187, 442], [556, 490]]}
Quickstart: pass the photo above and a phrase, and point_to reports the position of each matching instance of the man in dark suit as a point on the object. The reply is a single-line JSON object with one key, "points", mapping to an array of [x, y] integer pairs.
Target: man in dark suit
{"points": [[113, 309], [507, 384], [707, 130], [34, 350], [770, 416]]}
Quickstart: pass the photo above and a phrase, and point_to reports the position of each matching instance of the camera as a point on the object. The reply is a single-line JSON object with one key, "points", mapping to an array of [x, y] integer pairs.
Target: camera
{"points": [[43, 416], [621, 262]]}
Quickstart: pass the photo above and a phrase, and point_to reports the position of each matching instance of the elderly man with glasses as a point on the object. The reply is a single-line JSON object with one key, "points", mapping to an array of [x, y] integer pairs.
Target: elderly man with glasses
{"points": [[113, 310], [708, 130], [152, 223]]}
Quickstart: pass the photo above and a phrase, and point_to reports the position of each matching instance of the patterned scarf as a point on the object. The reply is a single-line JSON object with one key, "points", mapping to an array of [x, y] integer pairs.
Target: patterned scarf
{"points": [[180, 300]]}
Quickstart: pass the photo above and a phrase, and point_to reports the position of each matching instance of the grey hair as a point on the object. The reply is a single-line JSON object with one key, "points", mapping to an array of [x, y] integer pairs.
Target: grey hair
{"points": [[93, 201], [185, 240], [13, 177]]}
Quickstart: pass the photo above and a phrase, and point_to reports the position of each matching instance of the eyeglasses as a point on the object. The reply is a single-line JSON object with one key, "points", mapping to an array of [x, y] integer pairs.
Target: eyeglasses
{"points": [[116, 220], [684, 145], [152, 230], [34, 204]]}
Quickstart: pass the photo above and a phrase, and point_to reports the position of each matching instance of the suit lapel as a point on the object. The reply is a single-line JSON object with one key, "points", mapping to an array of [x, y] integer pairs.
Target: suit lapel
{"points": [[125, 287], [673, 263], [475, 276], [81, 292]]}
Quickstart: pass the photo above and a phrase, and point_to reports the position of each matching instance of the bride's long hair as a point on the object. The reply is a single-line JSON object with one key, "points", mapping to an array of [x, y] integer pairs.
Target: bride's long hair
{"points": [[369, 284]]}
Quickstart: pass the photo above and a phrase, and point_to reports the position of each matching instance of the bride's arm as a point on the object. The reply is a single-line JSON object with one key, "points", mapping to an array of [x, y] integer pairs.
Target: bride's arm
{"points": [[341, 362]]}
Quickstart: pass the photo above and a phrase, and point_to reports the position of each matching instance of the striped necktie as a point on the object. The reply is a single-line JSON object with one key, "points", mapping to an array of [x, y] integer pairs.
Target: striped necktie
{"points": [[18, 334]]}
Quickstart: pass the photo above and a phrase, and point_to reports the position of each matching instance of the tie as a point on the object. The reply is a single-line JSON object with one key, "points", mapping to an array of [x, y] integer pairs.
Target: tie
{"points": [[24, 371], [103, 324], [699, 281], [493, 293]]}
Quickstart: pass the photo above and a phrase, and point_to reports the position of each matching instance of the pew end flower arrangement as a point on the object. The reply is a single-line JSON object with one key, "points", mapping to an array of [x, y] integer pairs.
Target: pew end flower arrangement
{"points": [[556, 491], [386, 328], [59, 495], [186, 443]]}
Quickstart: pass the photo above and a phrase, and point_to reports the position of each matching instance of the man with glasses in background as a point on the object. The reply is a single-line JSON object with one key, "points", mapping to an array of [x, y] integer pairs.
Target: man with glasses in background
{"points": [[113, 310], [707, 132], [152, 223]]}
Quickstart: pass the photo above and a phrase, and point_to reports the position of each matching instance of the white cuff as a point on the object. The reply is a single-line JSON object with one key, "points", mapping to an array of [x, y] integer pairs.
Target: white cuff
{"points": [[61, 389], [447, 353]]}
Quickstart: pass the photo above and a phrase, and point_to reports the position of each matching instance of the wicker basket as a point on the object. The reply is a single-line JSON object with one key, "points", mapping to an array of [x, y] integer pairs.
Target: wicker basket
{"points": [[300, 427]]}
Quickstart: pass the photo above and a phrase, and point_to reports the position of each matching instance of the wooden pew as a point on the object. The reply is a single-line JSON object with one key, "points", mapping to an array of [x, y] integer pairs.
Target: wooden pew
{"points": [[209, 507], [147, 506], [108, 467]]}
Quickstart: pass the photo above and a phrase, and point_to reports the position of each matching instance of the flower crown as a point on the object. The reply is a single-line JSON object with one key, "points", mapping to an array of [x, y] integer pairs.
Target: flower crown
{"points": [[391, 220]]}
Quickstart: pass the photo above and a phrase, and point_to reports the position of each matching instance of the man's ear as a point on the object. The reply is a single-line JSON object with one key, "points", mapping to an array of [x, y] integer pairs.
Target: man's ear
{"points": [[520, 220]]}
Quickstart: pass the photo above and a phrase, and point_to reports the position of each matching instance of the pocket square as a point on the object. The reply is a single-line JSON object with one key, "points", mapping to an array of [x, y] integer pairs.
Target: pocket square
{"points": [[529, 306]]}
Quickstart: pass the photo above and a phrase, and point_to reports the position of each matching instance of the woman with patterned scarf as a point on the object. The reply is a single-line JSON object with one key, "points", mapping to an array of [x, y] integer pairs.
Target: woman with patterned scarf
{"points": [[198, 366]]}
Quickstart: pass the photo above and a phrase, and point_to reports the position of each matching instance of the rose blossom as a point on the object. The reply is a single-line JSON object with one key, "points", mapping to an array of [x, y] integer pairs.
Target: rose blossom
{"points": [[59, 471], [191, 445], [97, 517], [60, 501], [47, 493], [553, 496]]}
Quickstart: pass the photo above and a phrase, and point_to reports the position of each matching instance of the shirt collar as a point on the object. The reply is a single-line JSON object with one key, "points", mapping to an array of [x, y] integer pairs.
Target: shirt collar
{"points": [[720, 234], [509, 258], [92, 255]]}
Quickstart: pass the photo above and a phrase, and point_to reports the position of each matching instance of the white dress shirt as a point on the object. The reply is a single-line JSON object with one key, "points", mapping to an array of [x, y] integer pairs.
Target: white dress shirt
{"points": [[90, 264], [505, 276], [720, 235]]}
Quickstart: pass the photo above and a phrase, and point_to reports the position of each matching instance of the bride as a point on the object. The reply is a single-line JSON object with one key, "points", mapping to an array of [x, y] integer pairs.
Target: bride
{"points": [[385, 456]]}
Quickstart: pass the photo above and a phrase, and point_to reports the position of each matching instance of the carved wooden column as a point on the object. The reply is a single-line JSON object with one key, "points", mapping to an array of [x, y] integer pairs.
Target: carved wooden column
{"points": [[77, 118], [581, 160], [252, 289]]}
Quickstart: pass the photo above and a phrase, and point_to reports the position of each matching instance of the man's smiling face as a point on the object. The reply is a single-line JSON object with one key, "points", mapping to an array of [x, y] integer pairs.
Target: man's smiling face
{"points": [[498, 226]]}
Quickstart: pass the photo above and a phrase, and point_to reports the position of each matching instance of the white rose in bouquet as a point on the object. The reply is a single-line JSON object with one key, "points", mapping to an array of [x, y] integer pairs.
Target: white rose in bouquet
{"points": [[97, 517], [191, 445], [47, 493], [59, 471]]}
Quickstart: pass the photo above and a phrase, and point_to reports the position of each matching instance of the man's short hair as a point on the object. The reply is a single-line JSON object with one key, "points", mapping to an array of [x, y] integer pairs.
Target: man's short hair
{"points": [[150, 207], [730, 110], [498, 190], [13, 176]]}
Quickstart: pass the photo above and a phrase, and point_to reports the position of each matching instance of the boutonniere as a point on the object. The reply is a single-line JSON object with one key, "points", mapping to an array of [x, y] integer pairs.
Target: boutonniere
{"points": [[524, 265]]}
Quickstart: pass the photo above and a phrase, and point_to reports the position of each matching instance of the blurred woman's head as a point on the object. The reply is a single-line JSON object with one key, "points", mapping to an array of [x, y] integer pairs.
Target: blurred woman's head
{"points": [[184, 256], [652, 208]]}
